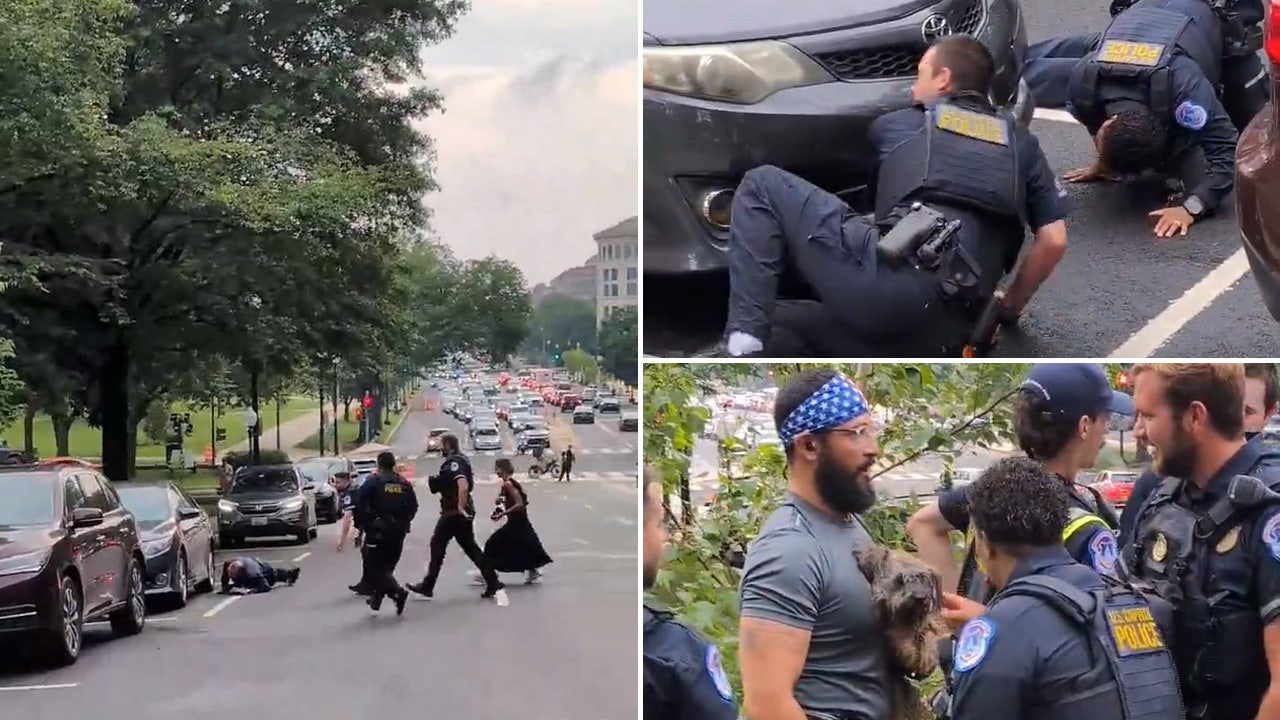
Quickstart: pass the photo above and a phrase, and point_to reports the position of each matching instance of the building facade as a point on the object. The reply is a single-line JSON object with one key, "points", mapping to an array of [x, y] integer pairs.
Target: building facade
{"points": [[617, 268]]}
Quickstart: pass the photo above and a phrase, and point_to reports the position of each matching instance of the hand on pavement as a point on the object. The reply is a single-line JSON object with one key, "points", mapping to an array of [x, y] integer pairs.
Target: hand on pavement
{"points": [[1090, 174], [958, 610], [1172, 221]]}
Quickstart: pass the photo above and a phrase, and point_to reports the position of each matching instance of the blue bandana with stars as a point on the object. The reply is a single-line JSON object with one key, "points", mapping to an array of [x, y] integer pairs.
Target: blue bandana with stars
{"points": [[834, 404]]}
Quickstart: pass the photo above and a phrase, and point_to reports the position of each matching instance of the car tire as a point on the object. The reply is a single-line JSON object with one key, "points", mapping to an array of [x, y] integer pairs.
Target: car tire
{"points": [[206, 585], [303, 537], [67, 638], [228, 541], [312, 534], [182, 582], [130, 619]]}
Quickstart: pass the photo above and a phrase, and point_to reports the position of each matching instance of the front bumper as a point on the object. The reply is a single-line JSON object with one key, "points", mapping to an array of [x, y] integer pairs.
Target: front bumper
{"points": [[289, 522], [28, 602], [694, 148], [159, 573]]}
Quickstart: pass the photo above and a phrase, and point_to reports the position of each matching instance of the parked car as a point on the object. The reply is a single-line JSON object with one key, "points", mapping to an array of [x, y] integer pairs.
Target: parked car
{"points": [[319, 473], [584, 415], [1115, 486], [177, 539], [1258, 179], [737, 86], [266, 501], [364, 467], [629, 421], [486, 437], [70, 553]]}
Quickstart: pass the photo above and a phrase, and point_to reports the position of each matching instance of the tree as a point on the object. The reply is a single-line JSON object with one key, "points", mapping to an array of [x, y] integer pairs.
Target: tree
{"points": [[619, 344], [560, 321], [495, 304], [581, 364]]}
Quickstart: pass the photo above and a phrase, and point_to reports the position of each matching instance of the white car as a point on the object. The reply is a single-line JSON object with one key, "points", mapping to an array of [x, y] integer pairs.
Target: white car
{"points": [[583, 415], [486, 437]]}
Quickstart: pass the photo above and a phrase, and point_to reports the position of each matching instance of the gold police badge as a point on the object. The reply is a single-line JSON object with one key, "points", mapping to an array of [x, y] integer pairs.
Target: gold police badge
{"points": [[1228, 541], [1159, 547]]}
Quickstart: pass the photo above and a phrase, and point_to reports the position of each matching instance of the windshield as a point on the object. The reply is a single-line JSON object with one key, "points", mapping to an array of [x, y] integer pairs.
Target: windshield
{"points": [[535, 427], [315, 472], [148, 504], [264, 481], [1126, 478], [487, 431], [27, 500]]}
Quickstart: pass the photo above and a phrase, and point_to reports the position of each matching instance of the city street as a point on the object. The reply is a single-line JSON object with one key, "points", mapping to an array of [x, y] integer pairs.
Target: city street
{"points": [[563, 649], [1119, 292]]}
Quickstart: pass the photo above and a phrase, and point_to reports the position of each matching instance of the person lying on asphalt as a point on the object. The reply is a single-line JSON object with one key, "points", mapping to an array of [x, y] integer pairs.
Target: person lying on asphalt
{"points": [[253, 575]]}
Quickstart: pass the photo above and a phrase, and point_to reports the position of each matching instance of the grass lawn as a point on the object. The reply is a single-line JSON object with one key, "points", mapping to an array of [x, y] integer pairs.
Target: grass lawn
{"points": [[85, 441], [202, 480], [348, 437]]}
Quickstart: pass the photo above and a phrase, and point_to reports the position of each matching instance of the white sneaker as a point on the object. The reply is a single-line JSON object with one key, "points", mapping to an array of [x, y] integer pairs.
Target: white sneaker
{"points": [[532, 576]]}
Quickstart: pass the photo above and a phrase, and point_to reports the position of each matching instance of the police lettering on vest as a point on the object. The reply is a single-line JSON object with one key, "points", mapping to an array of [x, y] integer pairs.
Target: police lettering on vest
{"points": [[966, 157], [1132, 60]]}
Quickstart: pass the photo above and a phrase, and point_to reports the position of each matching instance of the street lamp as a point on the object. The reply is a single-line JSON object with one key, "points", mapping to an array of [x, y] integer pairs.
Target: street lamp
{"points": [[251, 424], [255, 451], [336, 449]]}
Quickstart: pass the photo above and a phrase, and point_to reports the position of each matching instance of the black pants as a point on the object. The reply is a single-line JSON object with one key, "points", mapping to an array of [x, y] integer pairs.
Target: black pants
{"points": [[564, 472], [381, 554], [462, 529], [1245, 88]]}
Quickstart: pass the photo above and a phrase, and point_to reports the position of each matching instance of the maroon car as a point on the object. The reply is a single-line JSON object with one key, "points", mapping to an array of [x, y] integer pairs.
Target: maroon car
{"points": [[1258, 179]]}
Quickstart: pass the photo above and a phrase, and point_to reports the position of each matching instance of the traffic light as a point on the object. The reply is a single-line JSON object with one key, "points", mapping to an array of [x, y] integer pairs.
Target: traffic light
{"points": [[555, 359], [367, 402]]}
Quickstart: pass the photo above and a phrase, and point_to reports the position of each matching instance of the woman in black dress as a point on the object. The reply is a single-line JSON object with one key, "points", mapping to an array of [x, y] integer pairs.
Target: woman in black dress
{"points": [[515, 546]]}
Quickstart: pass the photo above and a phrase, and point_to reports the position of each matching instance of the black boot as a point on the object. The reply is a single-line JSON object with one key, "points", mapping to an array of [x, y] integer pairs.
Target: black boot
{"points": [[420, 589], [400, 600], [374, 602], [293, 576], [492, 590]]}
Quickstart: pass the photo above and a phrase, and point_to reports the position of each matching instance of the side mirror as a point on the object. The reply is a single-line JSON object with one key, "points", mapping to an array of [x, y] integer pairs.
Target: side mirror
{"points": [[190, 513], [86, 517]]}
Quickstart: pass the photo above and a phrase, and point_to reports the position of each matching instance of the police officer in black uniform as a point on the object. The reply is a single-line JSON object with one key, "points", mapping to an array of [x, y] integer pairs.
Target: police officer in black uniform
{"points": [[455, 484], [1208, 539], [683, 679], [960, 184], [386, 505], [1058, 641], [1147, 91]]}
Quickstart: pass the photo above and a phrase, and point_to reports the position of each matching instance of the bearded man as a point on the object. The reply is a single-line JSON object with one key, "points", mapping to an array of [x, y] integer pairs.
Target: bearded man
{"points": [[809, 642]]}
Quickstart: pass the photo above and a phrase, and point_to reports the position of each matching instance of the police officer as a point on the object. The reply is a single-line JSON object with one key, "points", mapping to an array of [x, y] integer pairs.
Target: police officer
{"points": [[347, 504], [386, 505], [961, 182], [1146, 90], [1058, 641], [255, 575], [683, 679], [1061, 419], [1208, 538], [455, 484]]}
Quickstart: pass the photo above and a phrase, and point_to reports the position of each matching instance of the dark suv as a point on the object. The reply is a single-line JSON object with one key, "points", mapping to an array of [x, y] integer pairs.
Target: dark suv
{"points": [[267, 501], [69, 554]]}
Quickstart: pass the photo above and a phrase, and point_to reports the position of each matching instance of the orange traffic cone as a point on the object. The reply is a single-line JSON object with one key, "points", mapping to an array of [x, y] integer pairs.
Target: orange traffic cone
{"points": [[208, 454]]}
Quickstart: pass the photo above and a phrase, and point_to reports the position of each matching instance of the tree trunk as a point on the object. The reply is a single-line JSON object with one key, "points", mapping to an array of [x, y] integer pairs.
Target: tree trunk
{"points": [[117, 459], [62, 433], [29, 430], [346, 410]]}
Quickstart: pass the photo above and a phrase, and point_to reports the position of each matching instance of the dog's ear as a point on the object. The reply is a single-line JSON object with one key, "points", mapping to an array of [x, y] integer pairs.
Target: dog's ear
{"points": [[871, 561]]}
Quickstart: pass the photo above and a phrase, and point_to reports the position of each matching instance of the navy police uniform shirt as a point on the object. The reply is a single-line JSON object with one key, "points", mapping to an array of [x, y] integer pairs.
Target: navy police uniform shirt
{"points": [[1006, 659], [347, 500], [1046, 201], [451, 468], [683, 677]]}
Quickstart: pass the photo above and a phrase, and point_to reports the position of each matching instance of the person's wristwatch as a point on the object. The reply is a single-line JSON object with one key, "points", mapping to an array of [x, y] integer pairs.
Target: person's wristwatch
{"points": [[1193, 206]]}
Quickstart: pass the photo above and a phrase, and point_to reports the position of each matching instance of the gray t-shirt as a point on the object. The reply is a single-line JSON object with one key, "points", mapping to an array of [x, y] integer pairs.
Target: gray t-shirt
{"points": [[800, 572]]}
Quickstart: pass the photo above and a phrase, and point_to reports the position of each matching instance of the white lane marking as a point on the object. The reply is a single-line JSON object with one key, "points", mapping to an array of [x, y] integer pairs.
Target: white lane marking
{"points": [[580, 541], [1181, 311], [59, 686], [218, 608], [586, 506], [163, 618], [1061, 116], [624, 521], [597, 555], [301, 557], [501, 597]]}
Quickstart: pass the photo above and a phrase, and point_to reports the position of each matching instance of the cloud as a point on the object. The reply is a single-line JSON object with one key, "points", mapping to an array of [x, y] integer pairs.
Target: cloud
{"points": [[537, 149]]}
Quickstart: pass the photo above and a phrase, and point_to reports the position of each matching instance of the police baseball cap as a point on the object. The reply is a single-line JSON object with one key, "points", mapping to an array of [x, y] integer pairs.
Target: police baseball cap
{"points": [[1075, 390]]}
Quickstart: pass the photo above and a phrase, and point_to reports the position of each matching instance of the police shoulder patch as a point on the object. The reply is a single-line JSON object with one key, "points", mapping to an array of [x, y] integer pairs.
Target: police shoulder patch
{"points": [[1191, 115], [1271, 536], [975, 639], [716, 672], [453, 466], [1103, 552]]}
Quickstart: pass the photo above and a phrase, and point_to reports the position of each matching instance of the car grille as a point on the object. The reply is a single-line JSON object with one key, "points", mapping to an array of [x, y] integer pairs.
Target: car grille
{"points": [[259, 508], [17, 617], [897, 61]]}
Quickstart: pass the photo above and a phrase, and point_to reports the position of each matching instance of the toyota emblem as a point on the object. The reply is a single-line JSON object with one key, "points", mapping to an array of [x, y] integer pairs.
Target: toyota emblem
{"points": [[934, 28]]}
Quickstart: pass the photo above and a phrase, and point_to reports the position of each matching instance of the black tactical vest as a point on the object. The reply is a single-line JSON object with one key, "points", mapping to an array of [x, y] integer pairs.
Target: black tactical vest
{"points": [[1122, 628], [1132, 59], [1218, 651], [967, 156]]}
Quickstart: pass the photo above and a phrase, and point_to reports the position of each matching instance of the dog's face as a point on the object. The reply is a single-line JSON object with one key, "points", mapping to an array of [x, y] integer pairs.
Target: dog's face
{"points": [[914, 592]]}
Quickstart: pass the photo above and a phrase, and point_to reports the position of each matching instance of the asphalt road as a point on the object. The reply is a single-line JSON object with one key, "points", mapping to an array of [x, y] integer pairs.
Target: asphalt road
{"points": [[1120, 292], [564, 649]]}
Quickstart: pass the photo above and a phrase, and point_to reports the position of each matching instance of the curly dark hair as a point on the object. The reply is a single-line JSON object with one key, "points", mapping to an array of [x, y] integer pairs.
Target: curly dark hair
{"points": [[1015, 503], [1042, 434], [1133, 141], [796, 390]]}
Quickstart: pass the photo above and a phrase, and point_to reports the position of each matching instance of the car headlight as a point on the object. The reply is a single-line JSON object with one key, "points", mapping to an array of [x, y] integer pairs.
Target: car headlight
{"points": [[226, 506], [743, 73], [31, 562], [294, 504], [159, 546]]}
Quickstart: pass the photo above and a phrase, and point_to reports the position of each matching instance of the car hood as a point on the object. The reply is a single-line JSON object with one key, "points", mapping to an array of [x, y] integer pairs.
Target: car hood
{"points": [[155, 529], [260, 497], [679, 22], [25, 540]]}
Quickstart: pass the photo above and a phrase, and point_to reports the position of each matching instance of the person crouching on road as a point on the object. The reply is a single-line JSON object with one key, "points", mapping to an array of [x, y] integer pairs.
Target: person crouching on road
{"points": [[254, 575], [683, 678], [386, 505], [514, 547], [347, 504], [1057, 640]]}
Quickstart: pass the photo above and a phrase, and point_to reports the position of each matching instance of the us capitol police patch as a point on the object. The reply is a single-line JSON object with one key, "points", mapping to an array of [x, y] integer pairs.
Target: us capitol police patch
{"points": [[973, 644]]}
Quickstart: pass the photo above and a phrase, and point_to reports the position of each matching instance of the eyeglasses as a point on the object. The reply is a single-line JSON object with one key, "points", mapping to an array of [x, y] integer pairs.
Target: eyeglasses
{"points": [[860, 433]]}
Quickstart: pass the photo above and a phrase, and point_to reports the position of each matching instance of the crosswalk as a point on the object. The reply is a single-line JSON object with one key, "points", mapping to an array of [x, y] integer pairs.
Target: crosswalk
{"points": [[510, 453]]}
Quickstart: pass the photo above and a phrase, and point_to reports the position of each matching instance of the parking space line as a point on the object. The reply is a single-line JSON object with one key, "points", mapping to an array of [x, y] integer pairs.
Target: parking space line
{"points": [[162, 618], [586, 506], [301, 557], [59, 686], [580, 541], [218, 608], [596, 555], [1181, 311], [1061, 116]]}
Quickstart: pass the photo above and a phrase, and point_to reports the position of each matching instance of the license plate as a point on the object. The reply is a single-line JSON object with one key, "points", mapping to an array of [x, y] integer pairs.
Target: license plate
{"points": [[257, 521]]}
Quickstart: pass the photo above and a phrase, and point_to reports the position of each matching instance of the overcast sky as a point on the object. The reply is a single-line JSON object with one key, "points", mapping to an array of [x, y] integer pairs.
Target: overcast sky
{"points": [[537, 148]]}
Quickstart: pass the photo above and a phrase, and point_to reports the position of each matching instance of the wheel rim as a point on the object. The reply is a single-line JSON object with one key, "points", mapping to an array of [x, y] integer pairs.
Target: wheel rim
{"points": [[70, 619], [137, 602], [182, 578]]}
